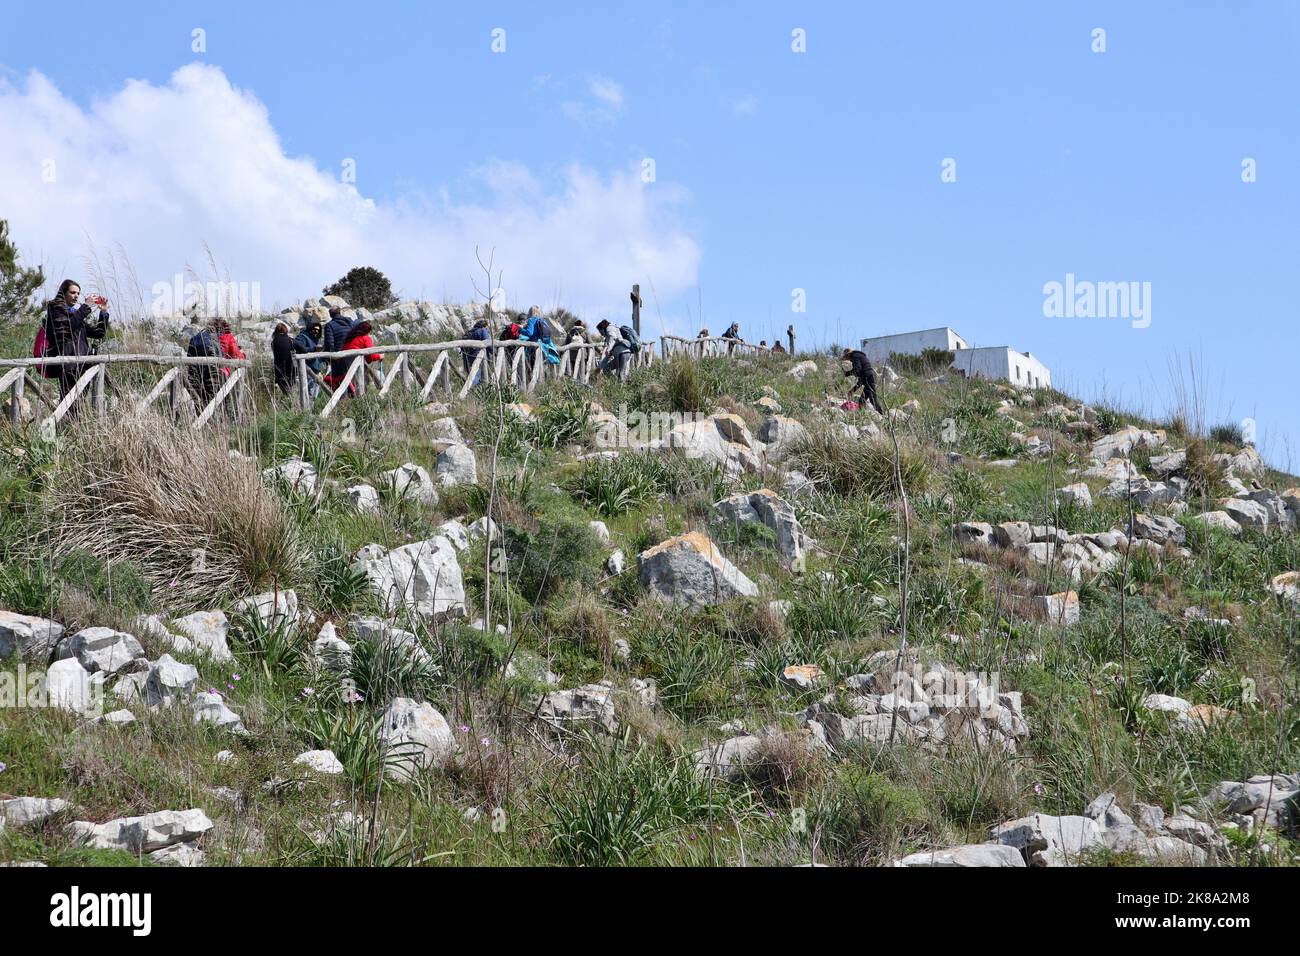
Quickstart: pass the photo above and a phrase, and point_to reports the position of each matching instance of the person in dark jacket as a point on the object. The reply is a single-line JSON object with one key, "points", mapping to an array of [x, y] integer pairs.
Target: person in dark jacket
{"points": [[283, 349], [70, 328], [308, 341], [860, 368], [733, 335], [337, 331], [480, 333]]}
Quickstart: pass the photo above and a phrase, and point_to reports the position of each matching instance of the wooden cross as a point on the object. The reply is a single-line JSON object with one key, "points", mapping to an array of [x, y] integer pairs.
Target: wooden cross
{"points": [[636, 310]]}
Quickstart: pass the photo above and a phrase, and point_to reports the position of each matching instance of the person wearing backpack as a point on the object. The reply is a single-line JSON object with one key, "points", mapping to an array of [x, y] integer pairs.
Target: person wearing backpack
{"points": [[617, 353], [69, 329], [537, 329], [480, 333], [308, 341], [205, 380]]}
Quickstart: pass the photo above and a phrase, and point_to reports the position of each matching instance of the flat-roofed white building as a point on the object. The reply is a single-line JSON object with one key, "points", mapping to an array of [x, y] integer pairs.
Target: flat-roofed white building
{"points": [[1019, 368], [995, 362], [881, 347]]}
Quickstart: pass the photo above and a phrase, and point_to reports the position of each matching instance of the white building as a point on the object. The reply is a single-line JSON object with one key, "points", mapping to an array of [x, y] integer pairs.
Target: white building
{"points": [[996, 362], [912, 343]]}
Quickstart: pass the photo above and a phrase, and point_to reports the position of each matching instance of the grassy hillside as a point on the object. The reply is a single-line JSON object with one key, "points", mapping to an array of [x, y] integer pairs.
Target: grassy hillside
{"points": [[519, 791]]}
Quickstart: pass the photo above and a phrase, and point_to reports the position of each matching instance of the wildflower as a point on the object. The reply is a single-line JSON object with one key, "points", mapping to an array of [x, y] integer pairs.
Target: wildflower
{"points": [[308, 691], [1038, 789], [230, 687], [464, 728], [485, 741], [235, 677], [2, 767]]}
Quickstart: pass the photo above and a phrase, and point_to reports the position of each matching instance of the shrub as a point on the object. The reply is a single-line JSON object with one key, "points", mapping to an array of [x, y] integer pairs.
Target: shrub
{"points": [[851, 466], [685, 386], [560, 551], [137, 490], [928, 362], [620, 802], [364, 287]]}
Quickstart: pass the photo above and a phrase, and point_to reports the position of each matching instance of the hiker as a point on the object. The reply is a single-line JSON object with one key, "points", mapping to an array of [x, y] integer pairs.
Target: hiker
{"points": [[733, 336], [617, 351], [577, 333], [358, 338], [283, 349], [70, 329], [337, 330], [214, 341], [308, 341], [777, 347], [860, 366], [537, 329], [480, 333], [762, 343]]}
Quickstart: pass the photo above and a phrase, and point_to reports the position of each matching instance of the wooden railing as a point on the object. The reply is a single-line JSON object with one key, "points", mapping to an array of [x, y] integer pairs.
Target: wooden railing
{"points": [[93, 377], [519, 362], [708, 346]]}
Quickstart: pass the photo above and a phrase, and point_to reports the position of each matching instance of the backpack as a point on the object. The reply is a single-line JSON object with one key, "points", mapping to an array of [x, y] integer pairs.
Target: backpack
{"points": [[204, 344], [541, 329], [631, 338], [41, 349]]}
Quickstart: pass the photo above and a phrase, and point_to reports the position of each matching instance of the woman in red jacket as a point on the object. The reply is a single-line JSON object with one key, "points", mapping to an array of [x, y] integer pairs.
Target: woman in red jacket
{"points": [[358, 338]]}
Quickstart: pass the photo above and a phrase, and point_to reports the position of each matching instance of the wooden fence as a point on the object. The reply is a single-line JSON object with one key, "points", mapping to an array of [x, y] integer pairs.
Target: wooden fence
{"points": [[707, 346], [519, 362]]}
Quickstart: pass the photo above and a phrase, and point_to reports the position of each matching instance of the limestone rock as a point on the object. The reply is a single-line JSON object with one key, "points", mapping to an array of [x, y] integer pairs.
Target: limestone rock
{"points": [[424, 577], [411, 482], [975, 854], [766, 507], [457, 466], [690, 570], [144, 834], [207, 631], [591, 704], [100, 649], [415, 737], [33, 639]]}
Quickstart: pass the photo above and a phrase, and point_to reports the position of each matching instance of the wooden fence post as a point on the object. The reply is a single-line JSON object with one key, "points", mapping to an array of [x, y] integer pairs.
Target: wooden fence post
{"points": [[790, 333]]}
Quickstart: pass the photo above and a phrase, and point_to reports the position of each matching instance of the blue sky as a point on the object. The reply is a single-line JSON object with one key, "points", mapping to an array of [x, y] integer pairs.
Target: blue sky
{"points": [[774, 170]]}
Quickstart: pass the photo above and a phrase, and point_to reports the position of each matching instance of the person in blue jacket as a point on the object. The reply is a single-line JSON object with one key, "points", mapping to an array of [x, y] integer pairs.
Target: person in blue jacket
{"points": [[537, 329], [309, 340], [337, 331]]}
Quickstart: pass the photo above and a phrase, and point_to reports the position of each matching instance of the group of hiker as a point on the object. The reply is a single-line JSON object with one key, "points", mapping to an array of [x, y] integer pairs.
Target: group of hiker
{"points": [[75, 328], [618, 342], [339, 334]]}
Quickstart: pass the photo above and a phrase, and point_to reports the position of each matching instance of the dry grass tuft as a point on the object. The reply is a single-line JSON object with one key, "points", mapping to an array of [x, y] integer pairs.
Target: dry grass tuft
{"points": [[195, 522]]}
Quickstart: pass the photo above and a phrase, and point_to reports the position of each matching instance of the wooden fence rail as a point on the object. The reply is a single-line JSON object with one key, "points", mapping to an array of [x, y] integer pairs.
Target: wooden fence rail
{"points": [[702, 347], [93, 377], [521, 363]]}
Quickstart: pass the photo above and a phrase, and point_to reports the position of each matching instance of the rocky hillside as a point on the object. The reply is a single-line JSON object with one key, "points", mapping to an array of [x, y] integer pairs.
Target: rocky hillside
{"points": [[708, 616]]}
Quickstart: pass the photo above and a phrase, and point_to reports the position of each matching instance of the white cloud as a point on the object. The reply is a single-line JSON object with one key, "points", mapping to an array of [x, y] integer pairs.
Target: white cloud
{"points": [[606, 90], [745, 106], [162, 169], [609, 102]]}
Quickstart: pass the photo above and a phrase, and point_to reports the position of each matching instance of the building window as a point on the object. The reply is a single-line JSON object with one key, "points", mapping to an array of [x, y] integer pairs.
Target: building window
{"points": [[1016, 369]]}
